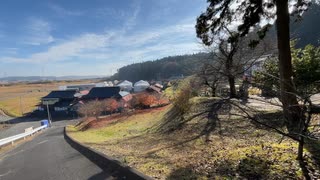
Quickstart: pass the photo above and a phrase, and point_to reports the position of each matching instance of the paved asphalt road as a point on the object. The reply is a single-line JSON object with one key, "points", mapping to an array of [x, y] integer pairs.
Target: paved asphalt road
{"points": [[48, 157], [18, 128]]}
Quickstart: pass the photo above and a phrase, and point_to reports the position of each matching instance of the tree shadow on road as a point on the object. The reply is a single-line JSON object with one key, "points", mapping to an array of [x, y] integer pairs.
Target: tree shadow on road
{"points": [[101, 175]]}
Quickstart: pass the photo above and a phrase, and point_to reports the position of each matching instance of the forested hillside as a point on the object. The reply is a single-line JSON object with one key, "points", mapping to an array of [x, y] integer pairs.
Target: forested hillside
{"points": [[305, 31], [162, 68]]}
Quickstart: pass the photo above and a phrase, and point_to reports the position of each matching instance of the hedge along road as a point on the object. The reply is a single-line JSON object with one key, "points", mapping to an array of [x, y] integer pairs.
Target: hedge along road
{"points": [[48, 156]]}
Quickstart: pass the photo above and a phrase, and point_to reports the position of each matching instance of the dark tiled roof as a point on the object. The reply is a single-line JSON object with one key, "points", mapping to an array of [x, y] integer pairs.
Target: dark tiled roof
{"points": [[103, 92], [67, 94]]}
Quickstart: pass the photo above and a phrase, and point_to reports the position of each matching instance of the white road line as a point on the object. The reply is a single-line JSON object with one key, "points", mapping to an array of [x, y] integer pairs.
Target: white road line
{"points": [[42, 142], [10, 154], [1, 175]]}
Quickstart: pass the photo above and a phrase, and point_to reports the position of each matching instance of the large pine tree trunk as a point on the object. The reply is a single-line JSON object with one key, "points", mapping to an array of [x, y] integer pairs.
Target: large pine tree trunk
{"points": [[291, 109], [233, 93]]}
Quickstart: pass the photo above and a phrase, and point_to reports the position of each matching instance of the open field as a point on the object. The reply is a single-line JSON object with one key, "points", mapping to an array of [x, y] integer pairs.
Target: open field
{"points": [[202, 147], [18, 99]]}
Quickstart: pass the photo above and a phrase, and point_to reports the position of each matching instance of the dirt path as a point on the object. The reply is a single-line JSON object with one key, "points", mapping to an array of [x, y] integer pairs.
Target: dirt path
{"points": [[264, 104], [269, 104]]}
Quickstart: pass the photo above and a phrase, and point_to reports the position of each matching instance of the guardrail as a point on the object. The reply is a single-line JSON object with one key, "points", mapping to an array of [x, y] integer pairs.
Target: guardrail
{"points": [[11, 139]]}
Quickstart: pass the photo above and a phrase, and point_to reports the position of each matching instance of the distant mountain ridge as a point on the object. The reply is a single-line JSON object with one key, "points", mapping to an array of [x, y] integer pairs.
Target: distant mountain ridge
{"points": [[163, 68], [306, 31], [45, 78]]}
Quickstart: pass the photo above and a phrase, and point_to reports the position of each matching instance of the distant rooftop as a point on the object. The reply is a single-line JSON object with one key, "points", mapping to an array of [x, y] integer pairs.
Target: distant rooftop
{"points": [[124, 93], [125, 83], [103, 92], [67, 94]]}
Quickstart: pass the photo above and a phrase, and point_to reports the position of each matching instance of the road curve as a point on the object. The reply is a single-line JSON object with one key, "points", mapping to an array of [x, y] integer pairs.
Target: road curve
{"points": [[48, 157]]}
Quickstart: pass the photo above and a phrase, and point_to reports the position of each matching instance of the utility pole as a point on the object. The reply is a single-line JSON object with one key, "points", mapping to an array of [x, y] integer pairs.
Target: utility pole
{"points": [[49, 116]]}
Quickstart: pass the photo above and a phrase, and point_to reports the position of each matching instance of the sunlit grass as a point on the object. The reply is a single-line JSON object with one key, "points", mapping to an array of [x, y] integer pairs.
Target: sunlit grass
{"points": [[124, 127], [18, 106], [237, 148]]}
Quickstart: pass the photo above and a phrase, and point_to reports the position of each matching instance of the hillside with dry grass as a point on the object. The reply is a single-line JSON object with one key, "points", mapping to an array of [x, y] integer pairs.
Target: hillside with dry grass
{"points": [[205, 143]]}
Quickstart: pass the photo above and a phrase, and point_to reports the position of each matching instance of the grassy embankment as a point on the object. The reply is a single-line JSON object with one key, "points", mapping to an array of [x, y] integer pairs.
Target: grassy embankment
{"points": [[30, 94], [202, 147]]}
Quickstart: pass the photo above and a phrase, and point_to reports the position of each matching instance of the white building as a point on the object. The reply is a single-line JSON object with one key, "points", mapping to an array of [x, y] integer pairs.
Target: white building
{"points": [[141, 86], [78, 87], [125, 86]]}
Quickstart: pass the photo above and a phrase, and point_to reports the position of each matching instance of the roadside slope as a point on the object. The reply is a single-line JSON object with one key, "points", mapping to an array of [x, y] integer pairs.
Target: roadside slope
{"points": [[164, 145]]}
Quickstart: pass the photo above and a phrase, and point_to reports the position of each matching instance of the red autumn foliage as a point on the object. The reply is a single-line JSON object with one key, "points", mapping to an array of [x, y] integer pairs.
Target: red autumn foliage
{"points": [[143, 100], [148, 100], [111, 105]]}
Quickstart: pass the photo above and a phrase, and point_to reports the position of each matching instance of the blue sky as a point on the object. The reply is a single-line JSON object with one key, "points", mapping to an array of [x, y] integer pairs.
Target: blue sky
{"points": [[93, 37]]}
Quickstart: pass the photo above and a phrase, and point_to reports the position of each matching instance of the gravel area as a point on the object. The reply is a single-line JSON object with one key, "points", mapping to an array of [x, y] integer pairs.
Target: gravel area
{"points": [[264, 104]]}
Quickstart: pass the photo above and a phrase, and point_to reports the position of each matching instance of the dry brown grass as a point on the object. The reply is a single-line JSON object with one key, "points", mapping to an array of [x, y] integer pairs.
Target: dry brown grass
{"points": [[30, 96], [211, 146]]}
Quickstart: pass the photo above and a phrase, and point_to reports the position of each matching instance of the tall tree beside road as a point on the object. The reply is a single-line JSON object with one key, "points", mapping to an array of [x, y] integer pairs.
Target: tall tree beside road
{"points": [[250, 14]]}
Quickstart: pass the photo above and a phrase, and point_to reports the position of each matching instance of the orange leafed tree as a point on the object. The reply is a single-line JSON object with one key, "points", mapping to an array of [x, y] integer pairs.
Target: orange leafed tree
{"points": [[143, 100], [111, 105], [148, 100]]}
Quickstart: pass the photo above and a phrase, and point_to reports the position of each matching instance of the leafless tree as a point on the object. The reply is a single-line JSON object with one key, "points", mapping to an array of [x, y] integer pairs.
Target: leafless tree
{"points": [[92, 109], [230, 59], [210, 77]]}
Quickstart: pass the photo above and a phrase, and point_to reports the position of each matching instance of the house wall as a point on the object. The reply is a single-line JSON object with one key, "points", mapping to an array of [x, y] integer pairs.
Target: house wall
{"points": [[140, 88], [60, 108]]}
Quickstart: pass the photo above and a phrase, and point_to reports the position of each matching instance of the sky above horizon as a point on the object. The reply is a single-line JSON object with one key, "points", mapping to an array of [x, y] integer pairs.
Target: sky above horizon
{"points": [[96, 37]]}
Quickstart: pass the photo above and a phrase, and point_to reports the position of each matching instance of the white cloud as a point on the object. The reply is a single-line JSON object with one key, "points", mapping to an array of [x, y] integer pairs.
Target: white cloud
{"points": [[65, 50], [38, 32], [118, 46], [131, 22], [156, 35], [11, 51], [113, 49], [108, 12], [60, 11]]}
